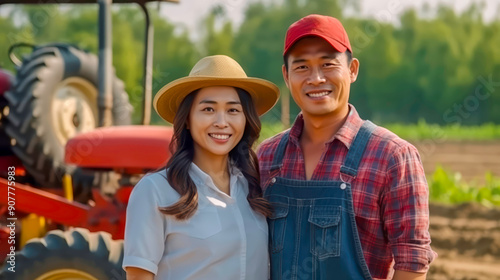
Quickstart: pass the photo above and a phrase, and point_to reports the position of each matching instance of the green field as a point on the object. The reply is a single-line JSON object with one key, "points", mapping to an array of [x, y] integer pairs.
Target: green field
{"points": [[420, 131], [269, 130], [423, 130]]}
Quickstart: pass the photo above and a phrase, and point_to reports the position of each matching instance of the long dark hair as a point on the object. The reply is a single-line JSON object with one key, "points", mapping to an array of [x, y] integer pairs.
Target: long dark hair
{"points": [[242, 155]]}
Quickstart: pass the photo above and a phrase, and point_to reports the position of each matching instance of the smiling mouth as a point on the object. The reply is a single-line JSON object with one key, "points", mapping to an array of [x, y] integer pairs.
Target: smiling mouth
{"points": [[219, 136], [318, 94]]}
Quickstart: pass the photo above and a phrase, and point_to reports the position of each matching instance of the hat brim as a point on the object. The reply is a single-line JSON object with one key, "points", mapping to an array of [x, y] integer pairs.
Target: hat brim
{"points": [[334, 43], [166, 102]]}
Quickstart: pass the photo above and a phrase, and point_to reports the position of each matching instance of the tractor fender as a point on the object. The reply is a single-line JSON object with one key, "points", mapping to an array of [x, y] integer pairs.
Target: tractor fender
{"points": [[6, 81]]}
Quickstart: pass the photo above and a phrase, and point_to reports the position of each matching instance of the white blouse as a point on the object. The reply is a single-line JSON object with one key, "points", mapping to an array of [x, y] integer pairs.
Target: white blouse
{"points": [[224, 239]]}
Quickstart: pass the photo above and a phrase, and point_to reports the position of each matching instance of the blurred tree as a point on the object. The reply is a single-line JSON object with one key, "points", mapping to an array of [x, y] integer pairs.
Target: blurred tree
{"points": [[47, 21], [8, 35], [217, 40], [436, 65], [174, 55]]}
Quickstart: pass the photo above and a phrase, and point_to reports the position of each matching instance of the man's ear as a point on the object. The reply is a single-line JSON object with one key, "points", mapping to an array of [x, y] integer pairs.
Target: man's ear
{"points": [[354, 69], [285, 75]]}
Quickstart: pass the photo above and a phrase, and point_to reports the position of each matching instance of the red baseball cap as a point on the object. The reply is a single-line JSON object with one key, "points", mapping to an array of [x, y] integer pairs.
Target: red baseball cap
{"points": [[328, 28]]}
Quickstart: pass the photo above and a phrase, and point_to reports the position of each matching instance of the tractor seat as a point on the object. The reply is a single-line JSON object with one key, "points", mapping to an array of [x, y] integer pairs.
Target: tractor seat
{"points": [[133, 147]]}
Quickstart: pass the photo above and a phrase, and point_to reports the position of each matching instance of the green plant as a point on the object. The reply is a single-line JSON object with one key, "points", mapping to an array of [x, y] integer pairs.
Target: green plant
{"points": [[447, 188]]}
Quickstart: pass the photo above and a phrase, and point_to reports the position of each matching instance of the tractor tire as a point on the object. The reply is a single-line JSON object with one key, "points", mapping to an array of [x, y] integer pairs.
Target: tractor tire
{"points": [[76, 254], [53, 98]]}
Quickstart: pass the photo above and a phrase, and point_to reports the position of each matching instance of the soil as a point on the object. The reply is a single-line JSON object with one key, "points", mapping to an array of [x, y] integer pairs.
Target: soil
{"points": [[466, 237], [472, 159], [467, 240]]}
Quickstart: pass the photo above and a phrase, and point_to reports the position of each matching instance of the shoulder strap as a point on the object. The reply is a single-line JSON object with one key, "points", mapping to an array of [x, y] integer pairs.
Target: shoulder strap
{"points": [[355, 154], [280, 151]]}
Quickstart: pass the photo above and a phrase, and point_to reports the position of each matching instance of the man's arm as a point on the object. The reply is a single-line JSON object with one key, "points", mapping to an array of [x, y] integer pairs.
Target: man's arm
{"points": [[405, 207]]}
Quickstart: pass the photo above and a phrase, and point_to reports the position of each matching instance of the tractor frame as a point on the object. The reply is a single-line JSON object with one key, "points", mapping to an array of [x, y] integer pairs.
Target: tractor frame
{"points": [[31, 208]]}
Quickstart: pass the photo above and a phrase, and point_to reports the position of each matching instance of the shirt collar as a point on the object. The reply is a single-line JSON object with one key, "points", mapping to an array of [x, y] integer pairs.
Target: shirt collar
{"points": [[345, 134], [200, 177]]}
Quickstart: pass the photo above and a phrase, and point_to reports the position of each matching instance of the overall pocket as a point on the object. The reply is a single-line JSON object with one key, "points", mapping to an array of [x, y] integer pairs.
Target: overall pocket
{"points": [[325, 231], [277, 225]]}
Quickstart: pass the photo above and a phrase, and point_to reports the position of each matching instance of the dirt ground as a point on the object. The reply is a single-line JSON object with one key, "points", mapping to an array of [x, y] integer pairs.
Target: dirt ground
{"points": [[472, 159], [467, 239]]}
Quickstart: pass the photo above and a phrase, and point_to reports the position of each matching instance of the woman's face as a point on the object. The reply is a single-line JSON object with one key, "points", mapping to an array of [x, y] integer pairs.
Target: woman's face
{"points": [[216, 121]]}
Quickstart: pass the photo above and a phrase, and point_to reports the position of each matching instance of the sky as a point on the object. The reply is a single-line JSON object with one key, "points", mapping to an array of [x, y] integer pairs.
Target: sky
{"points": [[189, 12]]}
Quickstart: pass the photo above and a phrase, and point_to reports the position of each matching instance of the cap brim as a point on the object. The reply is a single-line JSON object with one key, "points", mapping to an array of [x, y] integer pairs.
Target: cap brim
{"points": [[334, 43], [264, 93]]}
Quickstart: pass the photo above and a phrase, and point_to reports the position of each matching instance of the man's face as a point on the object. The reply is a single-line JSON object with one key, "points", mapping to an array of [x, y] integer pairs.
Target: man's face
{"points": [[319, 77]]}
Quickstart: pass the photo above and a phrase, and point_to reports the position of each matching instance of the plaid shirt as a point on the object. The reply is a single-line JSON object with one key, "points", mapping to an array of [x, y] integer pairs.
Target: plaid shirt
{"points": [[390, 193]]}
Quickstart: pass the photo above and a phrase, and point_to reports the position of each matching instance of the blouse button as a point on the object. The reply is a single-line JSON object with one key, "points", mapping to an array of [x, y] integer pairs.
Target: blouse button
{"points": [[273, 180], [343, 186]]}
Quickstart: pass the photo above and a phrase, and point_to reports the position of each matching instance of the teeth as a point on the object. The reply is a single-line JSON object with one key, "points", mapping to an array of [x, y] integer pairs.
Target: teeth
{"points": [[319, 94], [219, 136]]}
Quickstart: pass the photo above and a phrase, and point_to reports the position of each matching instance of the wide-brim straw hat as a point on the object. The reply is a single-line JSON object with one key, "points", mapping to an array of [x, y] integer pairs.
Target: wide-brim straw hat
{"points": [[217, 70]]}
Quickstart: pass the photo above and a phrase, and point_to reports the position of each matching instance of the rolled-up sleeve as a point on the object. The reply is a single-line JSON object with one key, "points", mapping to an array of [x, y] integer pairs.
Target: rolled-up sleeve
{"points": [[406, 211], [145, 228]]}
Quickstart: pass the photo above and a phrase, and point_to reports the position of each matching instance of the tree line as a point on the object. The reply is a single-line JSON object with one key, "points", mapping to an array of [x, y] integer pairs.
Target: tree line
{"points": [[434, 65]]}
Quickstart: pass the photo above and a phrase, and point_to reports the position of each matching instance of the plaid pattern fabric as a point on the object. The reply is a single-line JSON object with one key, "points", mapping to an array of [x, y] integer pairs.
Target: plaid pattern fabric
{"points": [[390, 192]]}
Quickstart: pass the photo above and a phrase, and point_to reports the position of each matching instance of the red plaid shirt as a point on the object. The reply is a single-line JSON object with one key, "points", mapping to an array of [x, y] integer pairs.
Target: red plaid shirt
{"points": [[390, 192]]}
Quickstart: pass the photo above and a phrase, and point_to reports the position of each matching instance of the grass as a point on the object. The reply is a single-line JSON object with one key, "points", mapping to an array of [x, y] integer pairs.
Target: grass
{"points": [[418, 131], [423, 131], [269, 130]]}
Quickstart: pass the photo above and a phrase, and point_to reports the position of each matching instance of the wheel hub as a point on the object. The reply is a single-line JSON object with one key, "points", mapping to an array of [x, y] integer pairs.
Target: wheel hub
{"points": [[66, 274], [74, 108]]}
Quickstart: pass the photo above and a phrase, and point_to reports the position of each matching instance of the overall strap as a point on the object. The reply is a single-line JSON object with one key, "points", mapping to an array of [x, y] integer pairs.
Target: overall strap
{"points": [[280, 151], [353, 158]]}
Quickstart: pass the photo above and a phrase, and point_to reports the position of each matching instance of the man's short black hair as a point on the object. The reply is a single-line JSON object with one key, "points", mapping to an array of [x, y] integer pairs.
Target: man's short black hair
{"points": [[347, 53]]}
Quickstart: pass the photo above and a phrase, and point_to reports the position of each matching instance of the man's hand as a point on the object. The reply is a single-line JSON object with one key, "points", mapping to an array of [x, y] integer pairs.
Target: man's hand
{"points": [[405, 275]]}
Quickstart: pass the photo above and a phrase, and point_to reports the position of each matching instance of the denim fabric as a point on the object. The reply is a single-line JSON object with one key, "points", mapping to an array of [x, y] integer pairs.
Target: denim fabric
{"points": [[312, 232]]}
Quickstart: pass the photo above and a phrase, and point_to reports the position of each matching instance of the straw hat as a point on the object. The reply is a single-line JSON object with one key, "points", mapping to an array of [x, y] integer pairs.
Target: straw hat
{"points": [[217, 70]]}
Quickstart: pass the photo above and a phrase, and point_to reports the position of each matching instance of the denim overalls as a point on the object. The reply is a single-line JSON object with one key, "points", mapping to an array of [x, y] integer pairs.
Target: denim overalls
{"points": [[312, 232]]}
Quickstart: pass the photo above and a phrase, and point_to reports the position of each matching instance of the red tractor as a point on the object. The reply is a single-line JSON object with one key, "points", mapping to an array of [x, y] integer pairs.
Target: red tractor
{"points": [[69, 157]]}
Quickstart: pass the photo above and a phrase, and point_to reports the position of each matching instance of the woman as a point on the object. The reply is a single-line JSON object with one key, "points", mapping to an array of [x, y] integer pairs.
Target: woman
{"points": [[203, 217]]}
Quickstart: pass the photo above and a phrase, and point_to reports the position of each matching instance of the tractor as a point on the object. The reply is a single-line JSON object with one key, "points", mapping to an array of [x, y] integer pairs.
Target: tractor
{"points": [[69, 155]]}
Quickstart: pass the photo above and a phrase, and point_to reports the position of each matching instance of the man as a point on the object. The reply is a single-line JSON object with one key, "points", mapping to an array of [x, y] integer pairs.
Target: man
{"points": [[350, 199]]}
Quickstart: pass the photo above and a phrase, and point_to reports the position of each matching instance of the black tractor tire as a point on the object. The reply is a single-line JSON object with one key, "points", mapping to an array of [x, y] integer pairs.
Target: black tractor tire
{"points": [[53, 98], [74, 254]]}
